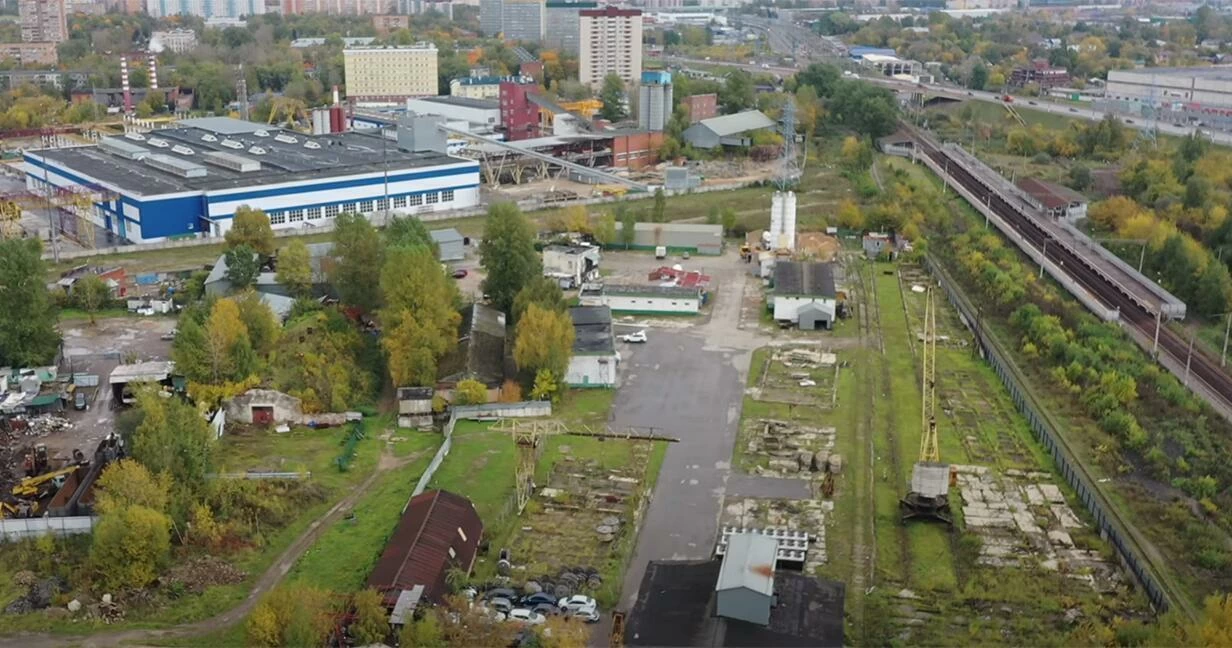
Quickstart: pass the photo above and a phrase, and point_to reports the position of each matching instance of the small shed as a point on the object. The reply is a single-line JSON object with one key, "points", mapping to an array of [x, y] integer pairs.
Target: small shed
{"points": [[154, 372], [415, 407], [264, 407], [727, 130], [450, 244], [815, 316], [595, 361], [745, 590], [1058, 201]]}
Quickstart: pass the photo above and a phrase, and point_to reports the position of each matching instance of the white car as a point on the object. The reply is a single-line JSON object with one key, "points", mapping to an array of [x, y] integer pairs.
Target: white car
{"points": [[632, 338], [587, 614], [523, 615], [577, 602]]}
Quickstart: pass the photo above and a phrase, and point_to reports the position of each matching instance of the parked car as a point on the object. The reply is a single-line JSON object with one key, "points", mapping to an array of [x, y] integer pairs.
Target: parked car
{"points": [[538, 598], [523, 615], [460, 273], [1032, 103], [79, 401], [546, 609], [634, 338], [169, 335], [501, 592], [576, 602], [1073, 110], [500, 604], [587, 614]]}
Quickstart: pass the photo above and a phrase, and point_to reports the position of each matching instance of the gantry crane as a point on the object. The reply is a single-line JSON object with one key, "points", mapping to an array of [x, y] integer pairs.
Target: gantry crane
{"points": [[73, 205], [930, 479]]}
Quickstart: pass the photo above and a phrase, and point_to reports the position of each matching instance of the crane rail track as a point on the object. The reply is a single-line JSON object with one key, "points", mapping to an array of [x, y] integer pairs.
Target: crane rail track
{"points": [[1132, 302]]}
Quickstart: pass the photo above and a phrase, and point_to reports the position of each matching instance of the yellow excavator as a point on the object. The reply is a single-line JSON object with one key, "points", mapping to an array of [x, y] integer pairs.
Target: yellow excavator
{"points": [[31, 487]]}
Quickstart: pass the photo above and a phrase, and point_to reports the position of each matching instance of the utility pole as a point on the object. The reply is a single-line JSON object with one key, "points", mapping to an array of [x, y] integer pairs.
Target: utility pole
{"points": [[1043, 256], [1223, 362], [1155, 346], [1189, 356]]}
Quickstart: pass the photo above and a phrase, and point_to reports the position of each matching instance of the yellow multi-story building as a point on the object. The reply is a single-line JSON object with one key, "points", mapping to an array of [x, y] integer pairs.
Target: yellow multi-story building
{"points": [[390, 74]]}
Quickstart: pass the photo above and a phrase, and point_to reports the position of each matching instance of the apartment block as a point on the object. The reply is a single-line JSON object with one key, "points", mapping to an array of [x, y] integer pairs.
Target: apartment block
{"points": [[43, 21], [610, 42], [522, 20], [30, 53], [390, 74], [562, 28]]}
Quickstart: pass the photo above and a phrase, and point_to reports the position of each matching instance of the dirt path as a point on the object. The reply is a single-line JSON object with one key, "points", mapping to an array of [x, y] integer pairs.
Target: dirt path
{"points": [[268, 581]]}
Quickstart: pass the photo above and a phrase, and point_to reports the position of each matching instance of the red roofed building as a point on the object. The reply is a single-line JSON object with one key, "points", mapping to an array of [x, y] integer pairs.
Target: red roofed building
{"points": [[682, 278], [438, 531]]}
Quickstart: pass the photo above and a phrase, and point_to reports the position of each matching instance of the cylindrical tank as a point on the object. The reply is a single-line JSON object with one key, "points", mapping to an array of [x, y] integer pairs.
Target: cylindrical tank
{"points": [[789, 221], [776, 217]]}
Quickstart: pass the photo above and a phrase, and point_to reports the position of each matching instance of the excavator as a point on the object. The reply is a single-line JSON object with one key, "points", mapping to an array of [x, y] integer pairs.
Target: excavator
{"points": [[35, 487]]}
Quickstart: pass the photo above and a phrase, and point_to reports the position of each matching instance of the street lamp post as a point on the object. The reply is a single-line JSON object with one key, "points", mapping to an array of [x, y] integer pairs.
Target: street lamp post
{"points": [[1189, 356], [1043, 255]]}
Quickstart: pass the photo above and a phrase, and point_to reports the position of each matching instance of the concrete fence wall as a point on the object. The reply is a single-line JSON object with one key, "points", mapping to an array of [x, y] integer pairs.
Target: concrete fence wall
{"points": [[22, 528]]}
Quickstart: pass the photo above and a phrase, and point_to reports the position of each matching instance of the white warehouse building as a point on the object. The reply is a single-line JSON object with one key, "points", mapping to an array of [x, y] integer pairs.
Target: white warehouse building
{"points": [[595, 362], [189, 180]]}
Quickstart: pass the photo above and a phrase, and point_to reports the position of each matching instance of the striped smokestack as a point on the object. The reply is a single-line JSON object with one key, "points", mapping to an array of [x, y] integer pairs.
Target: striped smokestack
{"points": [[153, 71], [128, 94]]}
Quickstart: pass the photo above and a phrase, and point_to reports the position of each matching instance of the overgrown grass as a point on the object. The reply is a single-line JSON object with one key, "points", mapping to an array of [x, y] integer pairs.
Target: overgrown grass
{"points": [[480, 466], [585, 407], [343, 556]]}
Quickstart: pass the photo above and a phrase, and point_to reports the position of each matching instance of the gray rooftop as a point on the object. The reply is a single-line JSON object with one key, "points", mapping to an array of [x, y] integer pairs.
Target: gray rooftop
{"points": [[702, 228], [1215, 72], [741, 122], [339, 154], [448, 235], [748, 563], [803, 278], [465, 102], [592, 329], [651, 291]]}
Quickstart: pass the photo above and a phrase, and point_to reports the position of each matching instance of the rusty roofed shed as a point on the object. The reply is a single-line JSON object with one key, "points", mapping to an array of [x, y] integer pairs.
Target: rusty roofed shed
{"points": [[745, 590], [438, 531]]}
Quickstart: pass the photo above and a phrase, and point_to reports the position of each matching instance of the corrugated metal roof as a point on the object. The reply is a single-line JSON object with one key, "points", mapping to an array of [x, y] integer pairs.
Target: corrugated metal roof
{"points": [[801, 278], [449, 235], [438, 529], [748, 563], [741, 122]]}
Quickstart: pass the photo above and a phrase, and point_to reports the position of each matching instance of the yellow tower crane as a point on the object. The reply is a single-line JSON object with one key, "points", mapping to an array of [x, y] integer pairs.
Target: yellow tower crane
{"points": [[929, 495]]}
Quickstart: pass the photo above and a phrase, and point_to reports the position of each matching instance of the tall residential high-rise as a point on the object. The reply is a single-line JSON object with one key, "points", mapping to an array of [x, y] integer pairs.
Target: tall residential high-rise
{"points": [[561, 24], [610, 43], [654, 101], [43, 21], [491, 13], [390, 74], [522, 20]]}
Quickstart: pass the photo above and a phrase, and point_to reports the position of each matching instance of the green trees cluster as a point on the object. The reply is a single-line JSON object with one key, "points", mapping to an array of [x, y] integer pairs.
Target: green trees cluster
{"points": [[323, 360], [509, 256], [862, 107], [28, 334]]}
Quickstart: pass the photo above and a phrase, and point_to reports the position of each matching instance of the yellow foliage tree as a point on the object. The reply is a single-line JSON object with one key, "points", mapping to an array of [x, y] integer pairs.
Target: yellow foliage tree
{"points": [[127, 483], [544, 340], [849, 215], [470, 392], [131, 545], [251, 227]]}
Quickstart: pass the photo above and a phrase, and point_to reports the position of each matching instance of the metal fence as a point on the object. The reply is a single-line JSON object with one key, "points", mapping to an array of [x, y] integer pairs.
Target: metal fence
{"points": [[1123, 536], [21, 528]]}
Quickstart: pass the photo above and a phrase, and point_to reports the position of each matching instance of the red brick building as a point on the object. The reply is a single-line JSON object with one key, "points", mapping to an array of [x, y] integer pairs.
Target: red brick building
{"points": [[518, 114], [702, 106], [636, 148]]}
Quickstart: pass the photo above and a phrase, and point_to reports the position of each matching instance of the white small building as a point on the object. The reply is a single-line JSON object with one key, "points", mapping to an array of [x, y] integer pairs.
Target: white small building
{"points": [[450, 244], [648, 300], [264, 407], [745, 590], [804, 294], [573, 265], [595, 362]]}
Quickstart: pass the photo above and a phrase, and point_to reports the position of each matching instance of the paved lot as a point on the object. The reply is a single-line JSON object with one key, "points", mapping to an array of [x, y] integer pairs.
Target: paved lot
{"points": [[687, 381], [98, 349]]}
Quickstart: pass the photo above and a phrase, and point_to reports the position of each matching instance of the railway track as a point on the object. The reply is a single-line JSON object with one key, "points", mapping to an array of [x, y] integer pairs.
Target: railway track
{"points": [[1135, 310]]}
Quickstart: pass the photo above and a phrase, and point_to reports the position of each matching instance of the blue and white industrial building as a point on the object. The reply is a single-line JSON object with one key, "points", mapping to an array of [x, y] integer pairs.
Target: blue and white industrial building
{"points": [[188, 180]]}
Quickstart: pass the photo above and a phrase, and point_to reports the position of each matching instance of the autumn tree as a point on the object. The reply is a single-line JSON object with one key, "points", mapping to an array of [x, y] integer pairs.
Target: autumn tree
{"points": [[90, 293], [728, 216], [129, 483], [412, 349], [541, 290], [508, 250], [424, 632], [359, 256], [228, 349], [371, 624], [849, 215], [569, 219], [809, 111], [251, 227], [317, 360], [545, 386], [28, 333], [470, 392], [562, 632], [605, 229], [408, 231], [628, 225], [130, 547], [612, 95], [291, 615], [173, 440], [412, 280], [259, 321], [856, 155], [294, 269], [242, 266], [544, 341]]}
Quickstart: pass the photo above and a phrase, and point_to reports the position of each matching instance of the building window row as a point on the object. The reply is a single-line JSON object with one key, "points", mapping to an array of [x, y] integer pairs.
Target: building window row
{"points": [[282, 217]]}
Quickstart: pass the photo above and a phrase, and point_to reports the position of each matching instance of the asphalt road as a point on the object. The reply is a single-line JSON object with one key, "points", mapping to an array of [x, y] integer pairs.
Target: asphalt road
{"points": [[689, 383]]}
